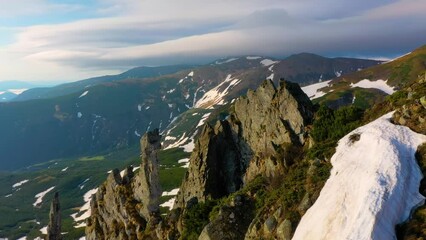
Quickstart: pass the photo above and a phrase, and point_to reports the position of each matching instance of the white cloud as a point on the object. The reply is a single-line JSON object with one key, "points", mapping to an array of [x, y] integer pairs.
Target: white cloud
{"points": [[191, 31]]}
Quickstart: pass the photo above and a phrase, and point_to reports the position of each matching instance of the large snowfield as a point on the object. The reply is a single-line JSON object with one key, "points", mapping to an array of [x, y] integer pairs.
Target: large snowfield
{"points": [[373, 186]]}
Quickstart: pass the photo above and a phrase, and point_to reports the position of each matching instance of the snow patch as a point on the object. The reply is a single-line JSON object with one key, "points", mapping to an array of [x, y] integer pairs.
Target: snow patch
{"points": [[185, 161], [271, 77], [338, 73], [267, 62], [182, 140], [313, 90], [253, 58], [378, 84], [137, 134], [195, 96], [79, 115], [44, 230], [170, 138], [17, 91], [173, 192], [84, 94], [169, 204], [187, 96], [189, 147], [216, 96], [39, 197], [81, 185], [149, 126], [64, 170], [18, 184], [191, 74], [373, 186], [226, 61], [84, 211], [139, 107], [398, 57], [203, 120]]}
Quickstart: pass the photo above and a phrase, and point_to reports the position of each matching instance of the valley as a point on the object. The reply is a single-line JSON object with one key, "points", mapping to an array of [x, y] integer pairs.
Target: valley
{"points": [[103, 124]]}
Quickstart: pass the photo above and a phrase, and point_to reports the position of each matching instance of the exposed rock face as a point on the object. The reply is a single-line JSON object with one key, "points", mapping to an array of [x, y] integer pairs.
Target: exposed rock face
{"points": [[54, 227], [270, 119], [248, 143], [231, 223], [148, 182], [125, 205], [216, 168]]}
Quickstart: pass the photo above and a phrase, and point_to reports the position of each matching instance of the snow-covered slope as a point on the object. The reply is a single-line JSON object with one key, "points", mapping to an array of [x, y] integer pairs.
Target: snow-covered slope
{"points": [[313, 91], [378, 84], [216, 95], [374, 184]]}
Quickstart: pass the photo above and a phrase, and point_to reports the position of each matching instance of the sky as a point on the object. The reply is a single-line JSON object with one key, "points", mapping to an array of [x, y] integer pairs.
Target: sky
{"points": [[65, 40]]}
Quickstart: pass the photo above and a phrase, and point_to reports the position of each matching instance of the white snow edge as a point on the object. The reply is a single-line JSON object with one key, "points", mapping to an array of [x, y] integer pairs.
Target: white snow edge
{"points": [[373, 186]]}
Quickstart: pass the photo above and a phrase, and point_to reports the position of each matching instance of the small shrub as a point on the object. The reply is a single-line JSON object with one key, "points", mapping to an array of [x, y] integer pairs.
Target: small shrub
{"points": [[196, 218]]}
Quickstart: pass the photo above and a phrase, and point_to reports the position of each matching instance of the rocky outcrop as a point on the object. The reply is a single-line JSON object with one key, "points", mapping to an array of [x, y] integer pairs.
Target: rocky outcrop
{"points": [[256, 139], [270, 121], [54, 227], [231, 223], [148, 183], [125, 205]]}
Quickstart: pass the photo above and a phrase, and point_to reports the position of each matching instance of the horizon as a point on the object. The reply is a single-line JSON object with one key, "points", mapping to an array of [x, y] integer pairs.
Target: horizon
{"points": [[58, 41], [53, 83]]}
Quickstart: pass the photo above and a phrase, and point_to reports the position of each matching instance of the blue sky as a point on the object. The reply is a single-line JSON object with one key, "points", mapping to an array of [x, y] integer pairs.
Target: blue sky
{"points": [[52, 40]]}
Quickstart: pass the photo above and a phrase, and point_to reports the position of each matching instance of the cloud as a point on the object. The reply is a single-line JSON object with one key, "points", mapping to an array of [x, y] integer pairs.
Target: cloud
{"points": [[33, 7], [189, 31]]}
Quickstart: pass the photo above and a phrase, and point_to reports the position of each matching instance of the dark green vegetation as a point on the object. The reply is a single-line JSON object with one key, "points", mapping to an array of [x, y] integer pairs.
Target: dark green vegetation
{"points": [[171, 172], [109, 117], [331, 125], [18, 210], [20, 218], [307, 68], [400, 73], [196, 218], [79, 86]]}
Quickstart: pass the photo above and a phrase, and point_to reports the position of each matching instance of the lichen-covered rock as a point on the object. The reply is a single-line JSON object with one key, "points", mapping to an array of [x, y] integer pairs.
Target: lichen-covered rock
{"points": [[147, 184], [284, 230], [54, 227], [230, 224], [125, 205], [423, 101]]}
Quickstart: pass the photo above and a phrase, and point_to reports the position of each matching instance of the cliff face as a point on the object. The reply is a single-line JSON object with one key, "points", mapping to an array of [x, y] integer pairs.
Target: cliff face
{"points": [[252, 141], [125, 205]]}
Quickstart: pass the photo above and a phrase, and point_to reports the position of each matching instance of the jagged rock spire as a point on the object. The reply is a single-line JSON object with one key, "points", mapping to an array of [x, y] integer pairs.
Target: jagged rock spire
{"points": [[54, 227], [149, 174], [125, 205]]}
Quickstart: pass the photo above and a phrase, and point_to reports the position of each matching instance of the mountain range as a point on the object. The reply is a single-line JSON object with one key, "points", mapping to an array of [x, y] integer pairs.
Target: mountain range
{"points": [[112, 112], [245, 155]]}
